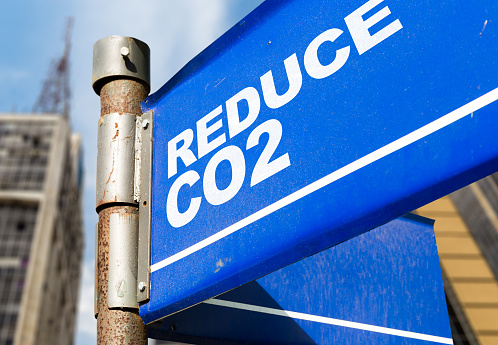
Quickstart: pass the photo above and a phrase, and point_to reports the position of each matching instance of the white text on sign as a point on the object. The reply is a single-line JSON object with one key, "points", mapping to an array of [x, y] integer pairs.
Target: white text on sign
{"points": [[179, 146]]}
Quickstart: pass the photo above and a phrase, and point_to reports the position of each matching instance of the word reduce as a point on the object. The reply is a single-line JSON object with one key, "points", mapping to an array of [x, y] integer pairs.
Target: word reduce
{"points": [[207, 127]]}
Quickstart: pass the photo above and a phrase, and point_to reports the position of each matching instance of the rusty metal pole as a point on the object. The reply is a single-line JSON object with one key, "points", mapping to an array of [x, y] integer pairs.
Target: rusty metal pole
{"points": [[122, 79]]}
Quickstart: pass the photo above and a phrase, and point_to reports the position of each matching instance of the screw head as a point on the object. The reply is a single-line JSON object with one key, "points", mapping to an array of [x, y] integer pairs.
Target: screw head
{"points": [[141, 286], [145, 124], [125, 51]]}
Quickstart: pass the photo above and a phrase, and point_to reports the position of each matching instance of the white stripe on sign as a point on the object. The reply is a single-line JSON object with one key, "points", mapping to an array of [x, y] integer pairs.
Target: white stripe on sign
{"points": [[329, 321], [396, 145]]}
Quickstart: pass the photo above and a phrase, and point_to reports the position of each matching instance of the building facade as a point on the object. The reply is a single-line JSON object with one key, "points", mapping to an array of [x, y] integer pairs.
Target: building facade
{"points": [[41, 234], [467, 238]]}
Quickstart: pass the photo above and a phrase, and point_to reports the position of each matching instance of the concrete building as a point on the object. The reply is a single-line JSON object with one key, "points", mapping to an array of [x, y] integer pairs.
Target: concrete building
{"points": [[41, 235]]}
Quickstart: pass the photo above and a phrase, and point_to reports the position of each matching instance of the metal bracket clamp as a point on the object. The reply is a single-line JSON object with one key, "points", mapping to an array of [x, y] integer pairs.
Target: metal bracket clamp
{"points": [[118, 56], [116, 164], [145, 126], [123, 242]]}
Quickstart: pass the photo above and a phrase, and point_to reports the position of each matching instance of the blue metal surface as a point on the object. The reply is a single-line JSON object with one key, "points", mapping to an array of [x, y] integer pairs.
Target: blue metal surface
{"points": [[388, 277], [343, 130]]}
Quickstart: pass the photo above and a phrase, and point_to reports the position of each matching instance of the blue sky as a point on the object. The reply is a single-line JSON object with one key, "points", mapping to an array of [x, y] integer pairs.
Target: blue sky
{"points": [[32, 34]]}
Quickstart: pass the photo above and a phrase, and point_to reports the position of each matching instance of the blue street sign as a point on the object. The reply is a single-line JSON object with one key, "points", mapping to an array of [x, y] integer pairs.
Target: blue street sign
{"points": [[311, 122], [382, 287]]}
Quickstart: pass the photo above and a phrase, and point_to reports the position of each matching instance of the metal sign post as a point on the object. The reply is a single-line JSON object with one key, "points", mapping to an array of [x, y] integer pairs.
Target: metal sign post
{"points": [[121, 78]]}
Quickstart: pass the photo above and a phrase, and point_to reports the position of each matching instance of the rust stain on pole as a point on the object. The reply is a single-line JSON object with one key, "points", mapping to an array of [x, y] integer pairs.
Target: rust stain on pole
{"points": [[114, 326], [117, 326], [122, 96]]}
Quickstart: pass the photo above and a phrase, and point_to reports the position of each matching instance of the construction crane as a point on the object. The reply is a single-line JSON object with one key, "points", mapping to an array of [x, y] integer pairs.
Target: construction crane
{"points": [[55, 96]]}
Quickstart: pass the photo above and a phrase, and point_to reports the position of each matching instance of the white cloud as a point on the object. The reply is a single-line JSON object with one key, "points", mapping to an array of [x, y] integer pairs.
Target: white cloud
{"points": [[191, 27], [87, 325], [13, 75]]}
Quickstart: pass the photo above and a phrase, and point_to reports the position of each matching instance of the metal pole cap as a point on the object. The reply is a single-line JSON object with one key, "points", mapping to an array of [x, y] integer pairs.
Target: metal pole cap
{"points": [[119, 56]]}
